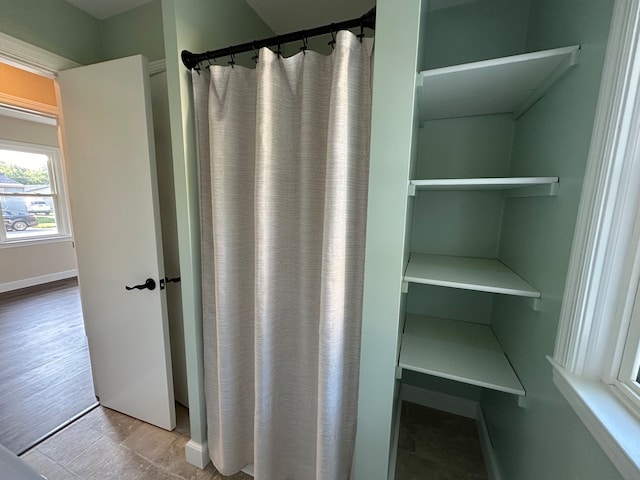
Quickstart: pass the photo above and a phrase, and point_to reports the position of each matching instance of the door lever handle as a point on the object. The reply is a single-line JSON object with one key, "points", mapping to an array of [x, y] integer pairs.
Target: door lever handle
{"points": [[150, 283], [165, 280]]}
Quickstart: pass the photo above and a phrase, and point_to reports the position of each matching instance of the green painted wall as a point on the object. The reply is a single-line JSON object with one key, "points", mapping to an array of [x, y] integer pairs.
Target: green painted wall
{"points": [[461, 223], [136, 31], [195, 25], [53, 25], [477, 30], [545, 439], [61, 28]]}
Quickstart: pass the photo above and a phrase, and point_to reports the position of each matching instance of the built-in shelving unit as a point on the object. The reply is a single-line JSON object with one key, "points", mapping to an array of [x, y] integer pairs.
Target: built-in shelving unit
{"points": [[460, 351], [480, 274], [502, 85], [456, 350]]}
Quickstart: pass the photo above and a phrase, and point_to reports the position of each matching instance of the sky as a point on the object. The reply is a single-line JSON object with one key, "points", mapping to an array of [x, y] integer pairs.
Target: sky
{"points": [[24, 159]]}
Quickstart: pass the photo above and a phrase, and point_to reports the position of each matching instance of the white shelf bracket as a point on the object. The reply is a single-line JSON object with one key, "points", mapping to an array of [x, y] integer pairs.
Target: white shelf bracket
{"points": [[412, 190], [534, 303], [404, 288], [523, 401], [547, 190], [538, 93]]}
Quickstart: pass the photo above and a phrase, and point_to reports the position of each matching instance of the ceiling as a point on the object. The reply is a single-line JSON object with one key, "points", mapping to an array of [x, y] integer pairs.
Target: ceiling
{"points": [[282, 16], [102, 9]]}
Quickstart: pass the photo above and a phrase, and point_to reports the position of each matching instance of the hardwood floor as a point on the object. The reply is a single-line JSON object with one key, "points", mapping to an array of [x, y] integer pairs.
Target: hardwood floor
{"points": [[45, 373]]}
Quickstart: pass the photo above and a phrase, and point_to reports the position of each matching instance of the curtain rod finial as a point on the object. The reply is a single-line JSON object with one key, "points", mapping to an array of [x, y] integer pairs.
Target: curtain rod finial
{"points": [[369, 19], [189, 59]]}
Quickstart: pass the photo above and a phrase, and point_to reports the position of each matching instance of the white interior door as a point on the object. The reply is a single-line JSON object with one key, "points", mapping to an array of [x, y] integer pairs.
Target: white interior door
{"points": [[110, 160]]}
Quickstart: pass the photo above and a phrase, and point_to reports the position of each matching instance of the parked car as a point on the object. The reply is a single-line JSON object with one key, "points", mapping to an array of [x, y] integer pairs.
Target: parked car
{"points": [[39, 206], [18, 221]]}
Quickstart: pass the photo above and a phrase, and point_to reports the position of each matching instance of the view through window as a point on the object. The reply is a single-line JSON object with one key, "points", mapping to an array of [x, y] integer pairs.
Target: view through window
{"points": [[629, 373], [29, 198]]}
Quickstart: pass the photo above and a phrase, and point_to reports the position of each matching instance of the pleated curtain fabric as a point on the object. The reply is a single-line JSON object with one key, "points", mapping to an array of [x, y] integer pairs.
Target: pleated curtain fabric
{"points": [[284, 157]]}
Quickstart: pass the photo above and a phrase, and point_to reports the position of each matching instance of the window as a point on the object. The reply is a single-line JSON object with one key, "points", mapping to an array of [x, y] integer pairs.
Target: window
{"points": [[596, 362], [628, 379], [31, 193]]}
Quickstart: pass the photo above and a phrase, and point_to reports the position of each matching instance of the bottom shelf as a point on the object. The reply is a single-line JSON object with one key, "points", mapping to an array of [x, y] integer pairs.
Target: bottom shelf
{"points": [[460, 351]]}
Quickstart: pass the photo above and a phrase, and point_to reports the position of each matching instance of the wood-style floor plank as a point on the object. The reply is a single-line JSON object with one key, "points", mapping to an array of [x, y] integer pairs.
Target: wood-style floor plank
{"points": [[45, 373]]}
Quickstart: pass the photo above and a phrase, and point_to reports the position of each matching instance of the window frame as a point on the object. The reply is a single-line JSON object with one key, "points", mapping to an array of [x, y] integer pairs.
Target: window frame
{"points": [[58, 194], [628, 375], [604, 270]]}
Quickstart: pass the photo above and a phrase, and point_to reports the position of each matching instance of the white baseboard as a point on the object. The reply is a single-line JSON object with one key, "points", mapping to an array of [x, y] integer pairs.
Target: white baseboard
{"points": [[197, 454], [393, 457], [490, 460], [33, 281], [440, 401]]}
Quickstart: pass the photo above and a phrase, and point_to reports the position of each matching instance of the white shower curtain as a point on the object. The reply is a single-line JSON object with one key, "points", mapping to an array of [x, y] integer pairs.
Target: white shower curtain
{"points": [[284, 155]]}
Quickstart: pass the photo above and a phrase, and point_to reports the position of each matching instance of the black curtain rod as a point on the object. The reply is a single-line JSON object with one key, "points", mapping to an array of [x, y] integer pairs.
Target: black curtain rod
{"points": [[191, 60]]}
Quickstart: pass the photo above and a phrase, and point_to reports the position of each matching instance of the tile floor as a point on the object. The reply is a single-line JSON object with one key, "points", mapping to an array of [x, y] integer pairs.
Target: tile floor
{"points": [[105, 445], [436, 445]]}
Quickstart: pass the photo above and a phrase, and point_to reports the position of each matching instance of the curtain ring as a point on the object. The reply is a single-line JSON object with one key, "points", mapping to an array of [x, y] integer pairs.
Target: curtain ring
{"points": [[256, 55], [333, 38], [279, 51], [232, 62], [304, 46], [361, 36]]}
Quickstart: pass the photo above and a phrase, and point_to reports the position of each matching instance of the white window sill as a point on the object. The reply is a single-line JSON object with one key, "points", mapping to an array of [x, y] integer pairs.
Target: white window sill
{"points": [[22, 242], [614, 427]]}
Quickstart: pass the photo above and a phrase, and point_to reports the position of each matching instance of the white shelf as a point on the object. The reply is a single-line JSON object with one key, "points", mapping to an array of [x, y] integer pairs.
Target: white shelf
{"points": [[502, 183], [502, 85], [481, 274], [460, 351]]}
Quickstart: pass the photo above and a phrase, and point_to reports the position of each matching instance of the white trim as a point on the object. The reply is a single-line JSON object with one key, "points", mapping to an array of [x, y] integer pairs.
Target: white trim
{"points": [[612, 425], [607, 207], [157, 66], [27, 116], [489, 455], [33, 281], [26, 56], [26, 242], [197, 454], [440, 401], [23, 55], [395, 439]]}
